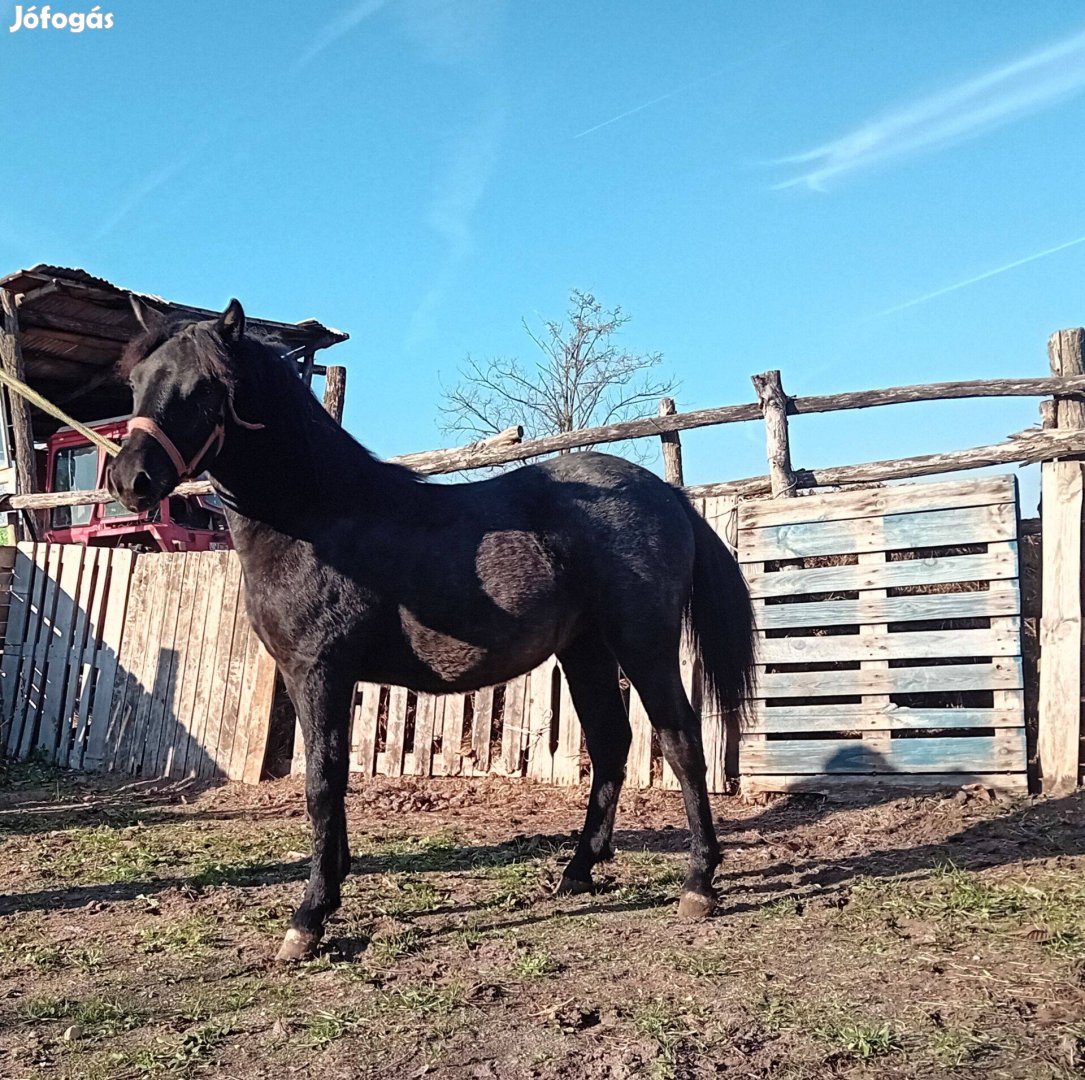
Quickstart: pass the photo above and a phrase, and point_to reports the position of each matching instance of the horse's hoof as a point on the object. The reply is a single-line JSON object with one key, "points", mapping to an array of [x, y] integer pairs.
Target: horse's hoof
{"points": [[571, 886], [693, 905], [297, 945]]}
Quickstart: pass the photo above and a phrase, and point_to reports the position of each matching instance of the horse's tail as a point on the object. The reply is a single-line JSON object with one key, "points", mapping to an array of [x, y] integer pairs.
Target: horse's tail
{"points": [[719, 618]]}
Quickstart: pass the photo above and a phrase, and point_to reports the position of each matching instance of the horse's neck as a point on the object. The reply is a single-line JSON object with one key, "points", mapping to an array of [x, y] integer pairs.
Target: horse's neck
{"points": [[290, 469]]}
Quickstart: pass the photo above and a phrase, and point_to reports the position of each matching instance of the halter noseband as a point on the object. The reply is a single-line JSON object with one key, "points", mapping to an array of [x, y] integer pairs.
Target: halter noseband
{"points": [[185, 469]]}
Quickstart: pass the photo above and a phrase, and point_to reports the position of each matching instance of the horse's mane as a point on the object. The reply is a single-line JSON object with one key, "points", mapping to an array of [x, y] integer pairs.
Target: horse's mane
{"points": [[263, 347]]}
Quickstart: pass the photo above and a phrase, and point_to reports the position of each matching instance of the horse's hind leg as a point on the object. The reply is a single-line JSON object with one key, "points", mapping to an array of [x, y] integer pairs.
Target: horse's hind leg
{"points": [[592, 674], [654, 672]]}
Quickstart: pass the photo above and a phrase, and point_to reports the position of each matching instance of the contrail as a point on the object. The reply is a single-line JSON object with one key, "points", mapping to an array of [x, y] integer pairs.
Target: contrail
{"points": [[684, 87], [981, 277], [1028, 84]]}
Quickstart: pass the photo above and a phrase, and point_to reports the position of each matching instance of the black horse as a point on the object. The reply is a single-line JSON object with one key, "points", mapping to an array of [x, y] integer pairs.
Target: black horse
{"points": [[356, 569]]}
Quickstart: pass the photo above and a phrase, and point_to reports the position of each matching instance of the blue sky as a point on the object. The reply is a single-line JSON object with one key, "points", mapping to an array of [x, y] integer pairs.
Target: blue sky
{"points": [[758, 185]]}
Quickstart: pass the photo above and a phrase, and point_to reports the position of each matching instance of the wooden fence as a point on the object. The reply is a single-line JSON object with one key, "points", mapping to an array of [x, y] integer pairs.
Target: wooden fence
{"points": [[141, 664]]}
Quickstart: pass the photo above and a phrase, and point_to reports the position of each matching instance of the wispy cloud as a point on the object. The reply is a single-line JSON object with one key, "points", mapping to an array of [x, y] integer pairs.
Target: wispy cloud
{"points": [[460, 187], [981, 277], [999, 96], [334, 29]]}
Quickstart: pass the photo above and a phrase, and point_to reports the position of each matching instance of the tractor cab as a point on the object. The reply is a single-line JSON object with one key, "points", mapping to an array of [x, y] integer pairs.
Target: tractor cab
{"points": [[193, 523]]}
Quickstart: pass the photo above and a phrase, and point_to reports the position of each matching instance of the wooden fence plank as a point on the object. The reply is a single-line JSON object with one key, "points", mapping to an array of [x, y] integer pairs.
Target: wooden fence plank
{"points": [[912, 645], [32, 676], [945, 754], [941, 570], [482, 729], [514, 726], [161, 726], [85, 629], [970, 525], [206, 622], [570, 738], [962, 605], [396, 731], [639, 767], [222, 689], [540, 716], [193, 636], [239, 743], [236, 657], [1004, 673], [58, 654], [450, 710], [876, 502], [259, 716], [123, 641], [365, 761], [1010, 782], [1059, 734], [866, 717], [426, 712], [15, 638]]}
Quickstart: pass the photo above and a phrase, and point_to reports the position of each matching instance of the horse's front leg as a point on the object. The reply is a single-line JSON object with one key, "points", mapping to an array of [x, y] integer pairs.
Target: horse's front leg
{"points": [[323, 705]]}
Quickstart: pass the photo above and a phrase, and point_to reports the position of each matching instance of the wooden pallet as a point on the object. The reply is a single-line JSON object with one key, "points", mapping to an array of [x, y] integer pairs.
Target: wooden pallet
{"points": [[888, 673], [142, 664]]}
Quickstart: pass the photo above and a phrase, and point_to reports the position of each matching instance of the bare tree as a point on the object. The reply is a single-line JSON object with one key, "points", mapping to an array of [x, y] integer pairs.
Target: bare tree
{"points": [[581, 378]]}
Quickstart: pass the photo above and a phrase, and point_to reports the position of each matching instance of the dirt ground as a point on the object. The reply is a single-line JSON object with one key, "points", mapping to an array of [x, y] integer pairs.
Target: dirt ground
{"points": [[904, 937]]}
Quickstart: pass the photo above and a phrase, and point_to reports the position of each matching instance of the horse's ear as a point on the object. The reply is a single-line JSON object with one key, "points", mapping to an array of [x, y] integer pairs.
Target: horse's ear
{"points": [[232, 322], [148, 319]]}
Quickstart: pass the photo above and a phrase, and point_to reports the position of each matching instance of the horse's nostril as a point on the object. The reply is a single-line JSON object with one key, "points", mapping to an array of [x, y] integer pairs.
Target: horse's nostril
{"points": [[141, 484]]}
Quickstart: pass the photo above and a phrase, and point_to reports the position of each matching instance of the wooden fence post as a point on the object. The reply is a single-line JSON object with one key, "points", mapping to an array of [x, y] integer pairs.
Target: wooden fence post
{"points": [[1059, 734], [11, 356], [672, 447], [335, 391], [770, 392]]}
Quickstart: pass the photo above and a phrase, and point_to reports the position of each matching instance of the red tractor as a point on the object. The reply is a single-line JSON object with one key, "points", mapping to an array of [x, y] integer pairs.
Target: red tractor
{"points": [[196, 523]]}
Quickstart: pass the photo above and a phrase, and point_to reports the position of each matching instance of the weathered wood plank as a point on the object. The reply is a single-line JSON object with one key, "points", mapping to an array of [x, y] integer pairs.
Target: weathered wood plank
{"points": [[161, 726], [237, 657], [540, 712], [32, 677], [125, 617], [368, 719], [452, 732], [944, 570], [482, 729], [59, 651], [84, 639], [570, 737], [1010, 782], [260, 697], [1059, 734], [15, 641], [944, 754], [1004, 673], [872, 609], [191, 635], [426, 712], [877, 502], [206, 623], [913, 645], [814, 718], [639, 767], [514, 726], [968, 525], [396, 731], [221, 694]]}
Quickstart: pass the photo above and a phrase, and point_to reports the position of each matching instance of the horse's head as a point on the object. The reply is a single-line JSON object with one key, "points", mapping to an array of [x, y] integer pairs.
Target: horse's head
{"points": [[183, 377]]}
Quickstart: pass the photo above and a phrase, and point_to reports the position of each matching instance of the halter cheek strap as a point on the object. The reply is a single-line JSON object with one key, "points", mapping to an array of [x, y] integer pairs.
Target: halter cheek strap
{"points": [[185, 469]]}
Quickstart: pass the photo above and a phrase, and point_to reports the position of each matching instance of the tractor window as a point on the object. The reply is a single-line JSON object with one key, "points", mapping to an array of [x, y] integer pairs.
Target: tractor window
{"points": [[76, 470]]}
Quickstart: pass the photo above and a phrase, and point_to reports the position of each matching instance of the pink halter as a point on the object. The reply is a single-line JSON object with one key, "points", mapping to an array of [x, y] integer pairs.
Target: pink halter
{"points": [[185, 469]]}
